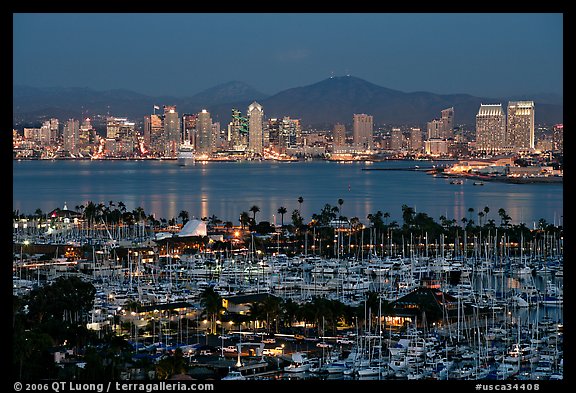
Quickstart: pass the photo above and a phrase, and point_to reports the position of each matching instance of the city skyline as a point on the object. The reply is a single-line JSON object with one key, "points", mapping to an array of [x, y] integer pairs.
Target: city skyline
{"points": [[497, 57]]}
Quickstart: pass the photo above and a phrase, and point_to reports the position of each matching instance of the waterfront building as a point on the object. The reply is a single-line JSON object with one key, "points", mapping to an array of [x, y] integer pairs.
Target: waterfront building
{"points": [[436, 147], [396, 139], [86, 134], [415, 139], [434, 129], [272, 128], [34, 134], [204, 138], [490, 128], [70, 136], [290, 133], [363, 131], [54, 131], [189, 128], [558, 137], [154, 133], [339, 135], [520, 125], [447, 119], [238, 131], [121, 137], [255, 128], [171, 131]]}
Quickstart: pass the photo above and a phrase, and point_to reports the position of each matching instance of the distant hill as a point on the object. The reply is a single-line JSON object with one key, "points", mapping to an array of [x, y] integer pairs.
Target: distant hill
{"points": [[323, 103]]}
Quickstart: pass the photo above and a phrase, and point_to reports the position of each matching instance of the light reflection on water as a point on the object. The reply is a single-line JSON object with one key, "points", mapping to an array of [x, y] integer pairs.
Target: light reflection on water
{"points": [[165, 189]]}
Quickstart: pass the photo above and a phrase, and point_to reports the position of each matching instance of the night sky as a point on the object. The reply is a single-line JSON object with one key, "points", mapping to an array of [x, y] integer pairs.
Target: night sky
{"points": [[182, 54]]}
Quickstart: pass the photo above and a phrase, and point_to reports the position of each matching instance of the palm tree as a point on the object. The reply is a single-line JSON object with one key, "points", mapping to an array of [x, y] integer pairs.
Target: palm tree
{"points": [[184, 215], [486, 210], [386, 216], [244, 219], [471, 211], [212, 303], [282, 210], [254, 209], [340, 203], [300, 200]]}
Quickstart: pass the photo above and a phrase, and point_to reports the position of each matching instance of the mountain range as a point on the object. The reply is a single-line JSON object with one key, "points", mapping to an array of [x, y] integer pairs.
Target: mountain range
{"points": [[321, 104]]}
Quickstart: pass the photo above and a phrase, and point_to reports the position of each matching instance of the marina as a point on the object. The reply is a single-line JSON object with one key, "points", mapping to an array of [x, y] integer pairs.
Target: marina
{"points": [[499, 316], [440, 302]]}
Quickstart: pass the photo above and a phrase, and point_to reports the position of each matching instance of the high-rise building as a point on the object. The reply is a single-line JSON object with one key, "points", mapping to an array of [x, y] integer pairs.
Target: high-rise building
{"points": [[204, 129], [339, 135], [45, 134], [415, 139], [54, 131], [70, 136], [363, 129], [290, 133], [171, 131], [189, 128], [238, 130], [154, 133], [434, 129], [558, 137], [520, 125], [396, 139], [273, 130], [255, 128], [447, 118], [85, 134], [490, 128]]}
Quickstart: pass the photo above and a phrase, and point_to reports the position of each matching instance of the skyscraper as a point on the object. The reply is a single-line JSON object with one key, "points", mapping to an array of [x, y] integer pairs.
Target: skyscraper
{"points": [[415, 139], [339, 135], [490, 128], [520, 125], [204, 129], [189, 128], [154, 133], [290, 132], [70, 136], [447, 123], [171, 131], [255, 128], [363, 129], [237, 130], [396, 139]]}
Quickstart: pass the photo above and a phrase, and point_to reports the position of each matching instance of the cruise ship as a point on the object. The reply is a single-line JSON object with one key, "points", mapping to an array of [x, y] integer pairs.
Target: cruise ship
{"points": [[185, 154]]}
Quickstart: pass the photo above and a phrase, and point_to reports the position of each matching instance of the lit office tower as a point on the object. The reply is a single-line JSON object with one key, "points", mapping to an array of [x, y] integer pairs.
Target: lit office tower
{"points": [[54, 131], [45, 132], [339, 134], [363, 130], [204, 129], [520, 125], [434, 129], [189, 128], [273, 129], [255, 128], [490, 128], [85, 134], [70, 136], [154, 133], [558, 137], [396, 139], [237, 130], [290, 132], [171, 131], [415, 139], [447, 120], [113, 125]]}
